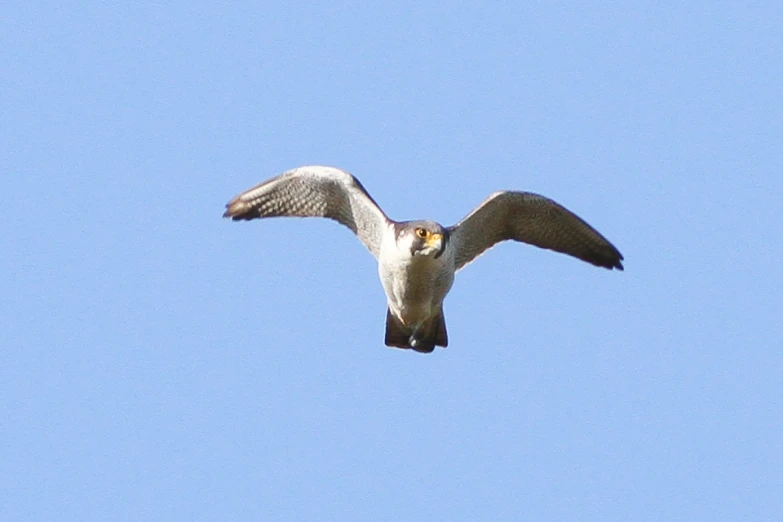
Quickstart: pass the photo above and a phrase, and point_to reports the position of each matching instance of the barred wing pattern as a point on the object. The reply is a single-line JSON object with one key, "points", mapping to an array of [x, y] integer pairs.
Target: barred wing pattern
{"points": [[534, 219], [314, 191]]}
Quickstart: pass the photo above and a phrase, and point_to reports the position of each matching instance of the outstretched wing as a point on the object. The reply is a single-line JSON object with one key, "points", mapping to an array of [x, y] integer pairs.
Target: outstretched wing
{"points": [[533, 219], [314, 191]]}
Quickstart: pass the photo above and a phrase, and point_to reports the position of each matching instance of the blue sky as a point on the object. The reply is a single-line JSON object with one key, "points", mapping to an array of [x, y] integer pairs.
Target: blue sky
{"points": [[161, 363]]}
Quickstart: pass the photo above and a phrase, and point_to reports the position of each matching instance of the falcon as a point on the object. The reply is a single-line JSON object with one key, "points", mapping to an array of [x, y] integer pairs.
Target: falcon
{"points": [[417, 260]]}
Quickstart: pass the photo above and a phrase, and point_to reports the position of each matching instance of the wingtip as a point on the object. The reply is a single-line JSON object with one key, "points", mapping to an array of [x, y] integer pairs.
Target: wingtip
{"points": [[610, 263], [236, 209]]}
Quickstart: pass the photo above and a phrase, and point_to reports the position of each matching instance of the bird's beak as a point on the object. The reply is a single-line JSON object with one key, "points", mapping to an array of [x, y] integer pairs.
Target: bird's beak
{"points": [[436, 242]]}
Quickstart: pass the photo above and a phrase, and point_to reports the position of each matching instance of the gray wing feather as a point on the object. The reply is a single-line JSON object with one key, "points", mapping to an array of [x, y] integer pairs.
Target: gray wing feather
{"points": [[314, 191], [533, 219]]}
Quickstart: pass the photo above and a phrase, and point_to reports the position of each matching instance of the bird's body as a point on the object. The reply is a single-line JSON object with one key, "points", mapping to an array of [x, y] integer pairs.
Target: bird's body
{"points": [[415, 280], [417, 260]]}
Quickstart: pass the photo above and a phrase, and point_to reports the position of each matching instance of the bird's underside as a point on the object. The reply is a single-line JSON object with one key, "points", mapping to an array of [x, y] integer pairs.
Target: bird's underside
{"points": [[424, 340], [317, 191]]}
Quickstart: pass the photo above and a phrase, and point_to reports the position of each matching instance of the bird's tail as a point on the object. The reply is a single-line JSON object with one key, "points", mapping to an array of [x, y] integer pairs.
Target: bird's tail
{"points": [[424, 340]]}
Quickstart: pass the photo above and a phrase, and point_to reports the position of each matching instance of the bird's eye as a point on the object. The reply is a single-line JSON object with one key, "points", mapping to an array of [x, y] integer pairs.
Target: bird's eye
{"points": [[422, 233]]}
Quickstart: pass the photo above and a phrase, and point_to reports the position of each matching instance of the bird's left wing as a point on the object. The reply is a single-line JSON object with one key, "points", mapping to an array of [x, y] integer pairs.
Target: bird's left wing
{"points": [[314, 191], [533, 219]]}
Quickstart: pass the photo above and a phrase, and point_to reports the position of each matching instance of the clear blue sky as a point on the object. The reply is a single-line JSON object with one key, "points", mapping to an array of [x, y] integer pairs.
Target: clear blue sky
{"points": [[161, 363]]}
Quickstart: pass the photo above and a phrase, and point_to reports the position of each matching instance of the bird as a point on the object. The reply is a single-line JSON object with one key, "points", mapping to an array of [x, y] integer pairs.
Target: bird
{"points": [[417, 259]]}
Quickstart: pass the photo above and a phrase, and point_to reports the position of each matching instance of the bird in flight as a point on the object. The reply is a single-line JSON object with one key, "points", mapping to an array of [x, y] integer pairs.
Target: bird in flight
{"points": [[417, 260]]}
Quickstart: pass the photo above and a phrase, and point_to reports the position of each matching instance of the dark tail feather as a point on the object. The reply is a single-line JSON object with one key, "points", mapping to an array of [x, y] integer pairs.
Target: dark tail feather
{"points": [[396, 334], [430, 335]]}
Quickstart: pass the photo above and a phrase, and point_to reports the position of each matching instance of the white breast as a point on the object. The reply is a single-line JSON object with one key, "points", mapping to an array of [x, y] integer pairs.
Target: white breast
{"points": [[415, 286]]}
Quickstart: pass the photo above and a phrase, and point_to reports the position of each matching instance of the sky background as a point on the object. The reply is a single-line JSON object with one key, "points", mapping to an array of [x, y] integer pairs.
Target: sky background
{"points": [[160, 363]]}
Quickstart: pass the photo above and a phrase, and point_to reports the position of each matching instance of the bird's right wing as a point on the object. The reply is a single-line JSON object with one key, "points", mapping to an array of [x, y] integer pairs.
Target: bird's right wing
{"points": [[315, 191], [533, 219]]}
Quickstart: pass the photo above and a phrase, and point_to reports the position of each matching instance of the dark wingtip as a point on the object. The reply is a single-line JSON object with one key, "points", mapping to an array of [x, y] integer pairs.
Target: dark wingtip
{"points": [[610, 261], [238, 210], [617, 262]]}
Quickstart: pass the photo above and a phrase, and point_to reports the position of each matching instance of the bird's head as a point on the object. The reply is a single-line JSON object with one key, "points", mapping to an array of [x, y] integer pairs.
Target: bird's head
{"points": [[423, 238]]}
